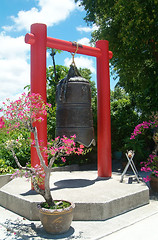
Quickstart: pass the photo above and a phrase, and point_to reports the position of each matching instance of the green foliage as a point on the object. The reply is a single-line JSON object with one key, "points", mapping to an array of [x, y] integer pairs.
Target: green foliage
{"points": [[143, 139], [4, 168], [52, 81], [61, 72], [58, 205], [131, 27], [140, 147], [123, 118], [23, 153]]}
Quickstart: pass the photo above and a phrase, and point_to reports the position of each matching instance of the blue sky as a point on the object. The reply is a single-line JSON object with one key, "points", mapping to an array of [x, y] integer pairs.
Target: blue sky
{"points": [[64, 20]]}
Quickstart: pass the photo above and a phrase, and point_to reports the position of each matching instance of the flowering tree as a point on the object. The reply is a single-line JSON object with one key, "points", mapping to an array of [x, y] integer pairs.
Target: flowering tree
{"points": [[151, 165], [23, 113], [2, 123]]}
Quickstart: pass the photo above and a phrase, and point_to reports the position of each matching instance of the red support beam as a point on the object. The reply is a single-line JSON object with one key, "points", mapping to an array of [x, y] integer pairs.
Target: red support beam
{"points": [[103, 111], [38, 82], [67, 46], [39, 41]]}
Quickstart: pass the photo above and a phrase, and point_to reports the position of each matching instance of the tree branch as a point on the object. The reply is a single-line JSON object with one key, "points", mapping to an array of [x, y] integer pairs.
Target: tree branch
{"points": [[51, 162], [34, 182], [16, 159], [37, 188], [38, 149]]}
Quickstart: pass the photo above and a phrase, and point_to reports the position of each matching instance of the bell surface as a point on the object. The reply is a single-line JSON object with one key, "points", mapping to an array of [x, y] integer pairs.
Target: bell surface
{"points": [[74, 111]]}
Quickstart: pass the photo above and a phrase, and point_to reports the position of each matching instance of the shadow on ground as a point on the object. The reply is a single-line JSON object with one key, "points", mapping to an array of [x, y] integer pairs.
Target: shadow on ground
{"points": [[25, 230]]}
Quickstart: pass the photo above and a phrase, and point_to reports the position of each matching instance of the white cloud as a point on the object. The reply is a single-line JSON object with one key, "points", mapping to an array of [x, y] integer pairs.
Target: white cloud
{"points": [[14, 53], [84, 41], [49, 12], [83, 62], [12, 47], [14, 68], [87, 29]]}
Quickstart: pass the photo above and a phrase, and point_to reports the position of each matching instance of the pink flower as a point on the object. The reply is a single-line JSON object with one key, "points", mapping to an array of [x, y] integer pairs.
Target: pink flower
{"points": [[2, 123], [63, 159], [81, 146], [74, 136], [48, 104], [147, 179], [57, 138], [132, 137], [33, 143], [146, 169], [80, 151]]}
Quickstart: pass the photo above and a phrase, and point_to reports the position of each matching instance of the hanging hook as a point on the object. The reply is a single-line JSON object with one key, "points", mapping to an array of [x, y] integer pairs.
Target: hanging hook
{"points": [[73, 54]]}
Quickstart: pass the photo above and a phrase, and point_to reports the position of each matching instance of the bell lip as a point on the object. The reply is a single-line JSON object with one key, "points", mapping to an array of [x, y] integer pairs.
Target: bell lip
{"points": [[91, 143]]}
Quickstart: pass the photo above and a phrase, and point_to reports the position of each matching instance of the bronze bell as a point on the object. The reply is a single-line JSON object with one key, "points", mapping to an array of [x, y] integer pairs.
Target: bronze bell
{"points": [[74, 111]]}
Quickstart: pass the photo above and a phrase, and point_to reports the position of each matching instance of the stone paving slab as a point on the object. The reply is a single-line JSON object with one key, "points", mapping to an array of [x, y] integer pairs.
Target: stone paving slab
{"points": [[95, 198], [137, 224]]}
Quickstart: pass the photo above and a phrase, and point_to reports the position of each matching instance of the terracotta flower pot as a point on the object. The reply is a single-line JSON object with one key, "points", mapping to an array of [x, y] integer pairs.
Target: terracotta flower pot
{"points": [[56, 221], [154, 183]]}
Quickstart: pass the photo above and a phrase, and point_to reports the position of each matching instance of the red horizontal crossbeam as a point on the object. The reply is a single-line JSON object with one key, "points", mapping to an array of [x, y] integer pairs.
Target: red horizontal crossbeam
{"points": [[66, 46]]}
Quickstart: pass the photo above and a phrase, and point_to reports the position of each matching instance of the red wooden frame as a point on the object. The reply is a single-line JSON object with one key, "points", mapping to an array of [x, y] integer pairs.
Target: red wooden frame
{"points": [[39, 42]]}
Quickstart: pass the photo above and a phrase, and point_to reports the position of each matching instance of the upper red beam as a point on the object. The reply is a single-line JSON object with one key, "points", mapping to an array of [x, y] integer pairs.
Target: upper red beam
{"points": [[67, 46]]}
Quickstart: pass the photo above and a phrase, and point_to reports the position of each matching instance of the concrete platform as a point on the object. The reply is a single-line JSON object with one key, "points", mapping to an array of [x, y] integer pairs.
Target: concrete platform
{"points": [[95, 198]]}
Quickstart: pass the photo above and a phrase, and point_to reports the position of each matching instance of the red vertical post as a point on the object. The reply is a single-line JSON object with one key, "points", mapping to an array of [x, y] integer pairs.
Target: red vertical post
{"points": [[38, 80], [104, 122]]}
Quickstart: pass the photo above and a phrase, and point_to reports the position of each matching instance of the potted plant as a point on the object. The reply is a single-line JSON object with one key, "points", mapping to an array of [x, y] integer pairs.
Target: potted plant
{"points": [[151, 164], [55, 215]]}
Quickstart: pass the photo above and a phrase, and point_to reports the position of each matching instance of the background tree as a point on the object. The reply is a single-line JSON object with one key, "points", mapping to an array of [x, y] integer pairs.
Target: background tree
{"points": [[53, 78], [131, 27], [23, 153], [123, 118]]}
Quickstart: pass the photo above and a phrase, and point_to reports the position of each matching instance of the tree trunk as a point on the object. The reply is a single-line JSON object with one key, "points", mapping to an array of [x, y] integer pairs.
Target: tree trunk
{"points": [[47, 195]]}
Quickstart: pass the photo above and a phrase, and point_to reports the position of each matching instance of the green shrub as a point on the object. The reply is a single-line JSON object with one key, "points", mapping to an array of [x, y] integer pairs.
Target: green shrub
{"points": [[23, 153], [4, 169]]}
